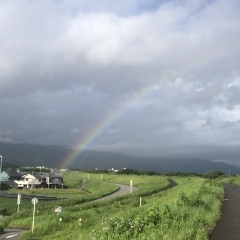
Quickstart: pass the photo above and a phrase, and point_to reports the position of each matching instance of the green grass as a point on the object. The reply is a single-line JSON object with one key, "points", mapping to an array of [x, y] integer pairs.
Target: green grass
{"points": [[90, 189], [187, 211], [231, 180], [192, 215], [73, 178]]}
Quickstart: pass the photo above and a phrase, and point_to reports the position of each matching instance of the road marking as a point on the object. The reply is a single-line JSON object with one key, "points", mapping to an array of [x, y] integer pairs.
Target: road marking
{"points": [[12, 236]]}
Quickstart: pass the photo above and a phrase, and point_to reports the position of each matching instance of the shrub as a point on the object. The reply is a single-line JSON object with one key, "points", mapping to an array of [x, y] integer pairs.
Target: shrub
{"points": [[3, 211]]}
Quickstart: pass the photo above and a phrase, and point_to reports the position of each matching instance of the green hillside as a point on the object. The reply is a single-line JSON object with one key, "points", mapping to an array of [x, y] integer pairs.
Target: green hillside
{"points": [[187, 211]]}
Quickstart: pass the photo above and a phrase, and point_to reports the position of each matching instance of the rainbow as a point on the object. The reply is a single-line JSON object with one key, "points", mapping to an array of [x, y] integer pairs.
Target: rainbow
{"points": [[92, 136], [102, 127]]}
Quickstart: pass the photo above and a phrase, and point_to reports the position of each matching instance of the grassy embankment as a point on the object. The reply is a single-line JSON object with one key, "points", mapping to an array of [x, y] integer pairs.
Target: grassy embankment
{"points": [[187, 211], [90, 191], [231, 180]]}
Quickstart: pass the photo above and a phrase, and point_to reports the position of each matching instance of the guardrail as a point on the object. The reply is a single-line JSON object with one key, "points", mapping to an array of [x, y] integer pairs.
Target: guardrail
{"points": [[29, 196]]}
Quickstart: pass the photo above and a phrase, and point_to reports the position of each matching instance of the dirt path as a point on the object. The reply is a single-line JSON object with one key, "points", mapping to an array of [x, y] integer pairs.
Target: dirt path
{"points": [[228, 227]]}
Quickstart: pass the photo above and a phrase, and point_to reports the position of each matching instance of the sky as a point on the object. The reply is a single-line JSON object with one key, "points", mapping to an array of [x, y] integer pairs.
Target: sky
{"points": [[151, 78]]}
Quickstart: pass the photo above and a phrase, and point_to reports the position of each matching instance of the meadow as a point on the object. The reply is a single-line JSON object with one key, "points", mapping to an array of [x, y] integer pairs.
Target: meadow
{"points": [[231, 180], [187, 211]]}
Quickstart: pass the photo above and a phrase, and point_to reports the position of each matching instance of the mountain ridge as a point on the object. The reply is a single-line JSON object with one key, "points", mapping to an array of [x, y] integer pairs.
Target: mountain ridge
{"points": [[25, 154]]}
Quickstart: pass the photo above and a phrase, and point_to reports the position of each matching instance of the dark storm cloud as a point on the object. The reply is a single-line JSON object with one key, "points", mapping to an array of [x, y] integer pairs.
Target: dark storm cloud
{"points": [[172, 68]]}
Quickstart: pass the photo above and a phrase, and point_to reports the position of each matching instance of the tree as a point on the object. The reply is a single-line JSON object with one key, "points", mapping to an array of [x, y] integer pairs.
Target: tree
{"points": [[213, 174]]}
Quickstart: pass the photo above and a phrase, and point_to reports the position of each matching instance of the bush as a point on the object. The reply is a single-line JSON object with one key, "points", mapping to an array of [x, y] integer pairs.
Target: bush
{"points": [[5, 186], [3, 211]]}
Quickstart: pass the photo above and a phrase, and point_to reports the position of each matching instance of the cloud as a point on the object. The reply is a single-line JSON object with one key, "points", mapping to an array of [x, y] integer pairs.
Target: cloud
{"points": [[74, 130], [151, 74], [114, 130]]}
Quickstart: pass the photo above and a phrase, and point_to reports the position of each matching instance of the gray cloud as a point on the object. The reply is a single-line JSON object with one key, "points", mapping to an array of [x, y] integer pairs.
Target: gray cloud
{"points": [[147, 77]]}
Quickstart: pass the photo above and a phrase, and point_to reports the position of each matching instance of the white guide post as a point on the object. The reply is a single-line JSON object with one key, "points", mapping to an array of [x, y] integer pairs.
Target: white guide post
{"points": [[34, 202], [130, 186], [18, 201]]}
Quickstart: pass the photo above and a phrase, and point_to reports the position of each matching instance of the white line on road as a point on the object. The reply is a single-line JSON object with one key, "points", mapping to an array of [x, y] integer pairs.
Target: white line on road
{"points": [[12, 236]]}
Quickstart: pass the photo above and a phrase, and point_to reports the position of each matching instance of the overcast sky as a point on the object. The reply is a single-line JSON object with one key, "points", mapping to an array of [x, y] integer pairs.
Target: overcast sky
{"points": [[146, 77]]}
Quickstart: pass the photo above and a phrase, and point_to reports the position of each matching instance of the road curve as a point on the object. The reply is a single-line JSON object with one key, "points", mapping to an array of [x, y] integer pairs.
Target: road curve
{"points": [[123, 189]]}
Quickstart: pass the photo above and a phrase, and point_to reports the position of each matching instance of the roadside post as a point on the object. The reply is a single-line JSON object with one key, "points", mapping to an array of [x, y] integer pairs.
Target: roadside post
{"points": [[47, 181], [140, 201], [18, 201], [34, 202], [130, 186]]}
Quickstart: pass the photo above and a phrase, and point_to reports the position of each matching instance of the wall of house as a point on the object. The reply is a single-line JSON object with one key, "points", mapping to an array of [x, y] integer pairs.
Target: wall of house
{"points": [[56, 180], [4, 176]]}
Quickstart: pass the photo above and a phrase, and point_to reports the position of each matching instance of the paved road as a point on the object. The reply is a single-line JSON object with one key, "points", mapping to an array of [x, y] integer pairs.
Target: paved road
{"points": [[228, 227], [123, 189], [12, 233]]}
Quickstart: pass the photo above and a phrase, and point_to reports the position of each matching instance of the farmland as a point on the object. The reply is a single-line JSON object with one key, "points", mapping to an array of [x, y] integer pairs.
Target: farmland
{"points": [[187, 211]]}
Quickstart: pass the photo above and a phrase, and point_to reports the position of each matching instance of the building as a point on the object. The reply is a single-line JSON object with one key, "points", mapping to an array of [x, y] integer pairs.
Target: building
{"points": [[14, 175], [28, 181], [35, 180], [52, 180], [4, 176]]}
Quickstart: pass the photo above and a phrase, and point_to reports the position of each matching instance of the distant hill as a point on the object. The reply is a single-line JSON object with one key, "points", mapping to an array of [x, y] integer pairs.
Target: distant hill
{"points": [[106, 160], [8, 165], [39, 155], [24, 154]]}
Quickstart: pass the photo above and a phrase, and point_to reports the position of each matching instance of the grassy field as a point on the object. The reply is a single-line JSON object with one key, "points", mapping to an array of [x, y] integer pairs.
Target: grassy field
{"points": [[231, 180], [187, 211], [90, 190]]}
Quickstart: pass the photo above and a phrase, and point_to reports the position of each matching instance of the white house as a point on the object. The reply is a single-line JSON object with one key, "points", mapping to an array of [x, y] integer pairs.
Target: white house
{"points": [[28, 181]]}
